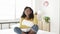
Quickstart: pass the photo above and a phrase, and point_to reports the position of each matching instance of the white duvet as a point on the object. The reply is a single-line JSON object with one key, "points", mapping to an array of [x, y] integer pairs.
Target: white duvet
{"points": [[7, 31], [11, 31]]}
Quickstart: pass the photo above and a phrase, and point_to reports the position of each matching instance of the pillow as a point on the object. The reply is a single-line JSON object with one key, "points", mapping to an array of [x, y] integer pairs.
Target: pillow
{"points": [[27, 23]]}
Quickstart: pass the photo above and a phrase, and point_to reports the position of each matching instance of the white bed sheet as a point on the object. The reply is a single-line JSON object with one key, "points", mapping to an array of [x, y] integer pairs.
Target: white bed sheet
{"points": [[7, 31], [11, 31], [44, 32]]}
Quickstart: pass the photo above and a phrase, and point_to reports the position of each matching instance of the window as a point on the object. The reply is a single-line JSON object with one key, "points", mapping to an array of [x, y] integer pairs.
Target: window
{"points": [[7, 9], [20, 5], [12, 9]]}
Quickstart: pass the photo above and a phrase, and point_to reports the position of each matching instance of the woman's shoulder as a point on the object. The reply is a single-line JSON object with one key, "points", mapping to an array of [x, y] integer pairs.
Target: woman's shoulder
{"points": [[21, 18]]}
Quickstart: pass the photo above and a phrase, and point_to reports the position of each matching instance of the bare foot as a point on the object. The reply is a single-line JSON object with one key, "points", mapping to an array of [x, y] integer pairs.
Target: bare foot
{"points": [[23, 33], [31, 32]]}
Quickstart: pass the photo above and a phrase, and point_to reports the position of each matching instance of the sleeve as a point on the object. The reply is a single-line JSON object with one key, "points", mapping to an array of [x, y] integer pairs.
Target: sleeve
{"points": [[21, 19], [35, 19]]}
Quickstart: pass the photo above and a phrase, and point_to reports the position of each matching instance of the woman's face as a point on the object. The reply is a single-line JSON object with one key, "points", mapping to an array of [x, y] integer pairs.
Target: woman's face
{"points": [[28, 12]]}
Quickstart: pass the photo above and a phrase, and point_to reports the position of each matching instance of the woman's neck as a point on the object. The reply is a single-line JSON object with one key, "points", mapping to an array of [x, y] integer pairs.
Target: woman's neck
{"points": [[27, 18]]}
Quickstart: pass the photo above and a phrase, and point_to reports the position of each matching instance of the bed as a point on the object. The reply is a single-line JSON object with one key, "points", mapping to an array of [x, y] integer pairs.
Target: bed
{"points": [[11, 31]]}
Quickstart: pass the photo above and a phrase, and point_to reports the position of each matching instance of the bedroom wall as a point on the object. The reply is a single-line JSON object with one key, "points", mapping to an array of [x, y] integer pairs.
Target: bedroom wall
{"points": [[59, 18], [52, 10]]}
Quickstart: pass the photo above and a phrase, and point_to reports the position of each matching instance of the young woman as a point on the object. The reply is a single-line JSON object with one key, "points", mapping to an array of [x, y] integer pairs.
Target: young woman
{"points": [[29, 17]]}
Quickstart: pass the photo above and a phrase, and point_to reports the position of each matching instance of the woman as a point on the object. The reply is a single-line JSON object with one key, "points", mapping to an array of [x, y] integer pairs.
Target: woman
{"points": [[29, 16]]}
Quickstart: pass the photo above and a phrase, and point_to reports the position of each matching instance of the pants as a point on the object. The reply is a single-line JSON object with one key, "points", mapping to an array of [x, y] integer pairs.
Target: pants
{"points": [[19, 31]]}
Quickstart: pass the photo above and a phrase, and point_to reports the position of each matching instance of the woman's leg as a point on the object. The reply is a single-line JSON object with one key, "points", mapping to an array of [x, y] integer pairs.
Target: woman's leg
{"points": [[23, 33], [31, 32], [34, 30], [17, 30]]}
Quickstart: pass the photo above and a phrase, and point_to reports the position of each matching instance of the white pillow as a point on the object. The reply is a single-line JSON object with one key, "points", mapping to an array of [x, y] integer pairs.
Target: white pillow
{"points": [[27, 23]]}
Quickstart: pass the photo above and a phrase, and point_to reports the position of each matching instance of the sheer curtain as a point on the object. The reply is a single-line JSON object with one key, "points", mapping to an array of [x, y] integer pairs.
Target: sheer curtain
{"points": [[12, 9], [7, 9], [20, 5]]}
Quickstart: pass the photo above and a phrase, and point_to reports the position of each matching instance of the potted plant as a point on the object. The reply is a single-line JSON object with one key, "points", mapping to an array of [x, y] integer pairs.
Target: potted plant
{"points": [[46, 24], [47, 19]]}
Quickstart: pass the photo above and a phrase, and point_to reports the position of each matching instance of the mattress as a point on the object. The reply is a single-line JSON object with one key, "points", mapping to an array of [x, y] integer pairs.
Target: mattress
{"points": [[11, 31], [44, 32], [7, 31]]}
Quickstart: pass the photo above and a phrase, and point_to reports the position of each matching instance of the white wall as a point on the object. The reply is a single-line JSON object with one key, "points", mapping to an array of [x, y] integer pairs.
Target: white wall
{"points": [[52, 10]]}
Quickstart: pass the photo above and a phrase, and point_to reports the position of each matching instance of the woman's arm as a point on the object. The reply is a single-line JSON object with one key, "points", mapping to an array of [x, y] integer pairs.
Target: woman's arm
{"points": [[35, 20], [21, 19]]}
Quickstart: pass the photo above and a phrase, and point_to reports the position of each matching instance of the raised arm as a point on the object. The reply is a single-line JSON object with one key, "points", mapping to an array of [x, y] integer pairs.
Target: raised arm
{"points": [[35, 20]]}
